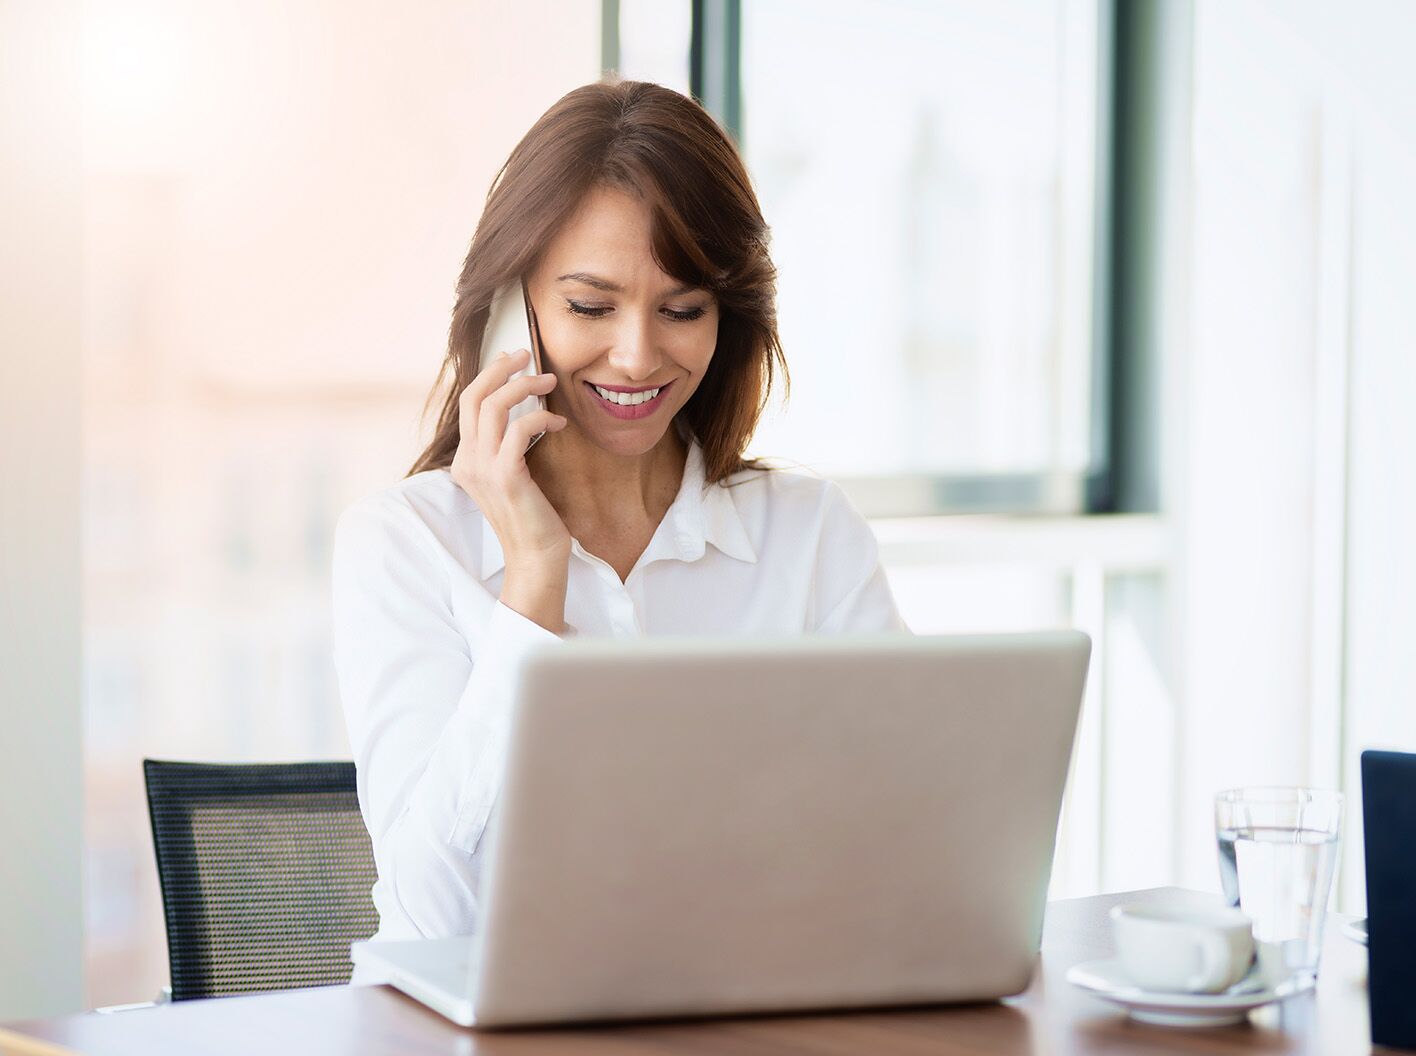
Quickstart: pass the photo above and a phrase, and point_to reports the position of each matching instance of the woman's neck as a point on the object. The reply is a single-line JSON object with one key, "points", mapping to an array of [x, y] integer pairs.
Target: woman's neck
{"points": [[590, 487]]}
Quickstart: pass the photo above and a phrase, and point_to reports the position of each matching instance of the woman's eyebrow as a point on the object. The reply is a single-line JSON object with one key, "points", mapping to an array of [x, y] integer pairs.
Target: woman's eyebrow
{"points": [[613, 287]]}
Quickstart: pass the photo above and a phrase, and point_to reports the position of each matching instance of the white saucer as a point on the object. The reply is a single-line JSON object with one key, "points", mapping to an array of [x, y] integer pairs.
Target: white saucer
{"points": [[1106, 980], [1356, 931]]}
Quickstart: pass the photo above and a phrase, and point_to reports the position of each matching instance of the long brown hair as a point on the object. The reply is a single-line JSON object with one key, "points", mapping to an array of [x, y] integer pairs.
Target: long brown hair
{"points": [[707, 231]]}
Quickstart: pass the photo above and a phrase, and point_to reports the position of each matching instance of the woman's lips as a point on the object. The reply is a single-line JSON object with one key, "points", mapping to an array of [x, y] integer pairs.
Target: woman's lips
{"points": [[637, 410]]}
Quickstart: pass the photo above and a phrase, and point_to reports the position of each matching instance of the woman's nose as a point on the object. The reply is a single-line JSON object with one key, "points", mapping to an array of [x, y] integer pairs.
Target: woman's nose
{"points": [[634, 353]]}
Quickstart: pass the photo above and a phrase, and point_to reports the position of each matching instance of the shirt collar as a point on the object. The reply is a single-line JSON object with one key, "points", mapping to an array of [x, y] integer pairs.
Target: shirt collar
{"points": [[700, 514]]}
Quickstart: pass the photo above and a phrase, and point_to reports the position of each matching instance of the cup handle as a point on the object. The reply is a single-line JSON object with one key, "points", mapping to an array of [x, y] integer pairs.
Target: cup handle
{"points": [[1214, 964]]}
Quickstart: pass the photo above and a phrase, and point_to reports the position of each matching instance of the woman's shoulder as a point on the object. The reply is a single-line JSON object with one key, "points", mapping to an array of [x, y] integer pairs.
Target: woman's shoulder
{"points": [[431, 491], [787, 493], [793, 513], [781, 480], [428, 506]]}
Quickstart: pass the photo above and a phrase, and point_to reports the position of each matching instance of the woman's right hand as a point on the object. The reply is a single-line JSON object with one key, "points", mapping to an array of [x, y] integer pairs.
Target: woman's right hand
{"points": [[490, 466]]}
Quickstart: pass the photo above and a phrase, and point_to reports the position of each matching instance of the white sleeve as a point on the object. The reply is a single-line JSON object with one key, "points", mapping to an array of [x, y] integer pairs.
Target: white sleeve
{"points": [[851, 592], [427, 700]]}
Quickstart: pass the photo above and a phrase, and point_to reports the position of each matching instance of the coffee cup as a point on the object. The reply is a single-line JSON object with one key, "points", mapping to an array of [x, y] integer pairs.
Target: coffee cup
{"points": [[1181, 950]]}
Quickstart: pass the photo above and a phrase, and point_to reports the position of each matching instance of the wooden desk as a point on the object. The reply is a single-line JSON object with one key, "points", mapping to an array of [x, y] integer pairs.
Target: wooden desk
{"points": [[1050, 1018]]}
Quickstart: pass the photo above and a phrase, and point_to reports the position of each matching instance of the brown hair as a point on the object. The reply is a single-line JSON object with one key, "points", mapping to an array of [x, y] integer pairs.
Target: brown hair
{"points": [[707, 231]]}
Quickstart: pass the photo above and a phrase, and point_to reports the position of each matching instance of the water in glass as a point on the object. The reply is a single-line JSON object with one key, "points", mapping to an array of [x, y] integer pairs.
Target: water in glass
{"points": [[1281, 878]]}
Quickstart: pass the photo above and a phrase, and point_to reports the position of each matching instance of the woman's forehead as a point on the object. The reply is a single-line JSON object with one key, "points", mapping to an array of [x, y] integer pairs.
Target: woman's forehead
{"points": [[607, 218], [607, 243]]}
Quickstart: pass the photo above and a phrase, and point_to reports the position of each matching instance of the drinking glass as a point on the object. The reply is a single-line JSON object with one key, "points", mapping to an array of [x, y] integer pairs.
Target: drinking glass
{"points": [[1277, 855]]}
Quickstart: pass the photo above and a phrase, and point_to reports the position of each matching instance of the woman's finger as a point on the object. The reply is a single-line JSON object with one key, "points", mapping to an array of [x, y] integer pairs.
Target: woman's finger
{"points": [[496, 408], [519, 434], [488, 379]]}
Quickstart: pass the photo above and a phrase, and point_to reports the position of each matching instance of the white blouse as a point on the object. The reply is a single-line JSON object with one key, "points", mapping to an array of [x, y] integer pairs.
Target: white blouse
{"points": [[424, 650]]}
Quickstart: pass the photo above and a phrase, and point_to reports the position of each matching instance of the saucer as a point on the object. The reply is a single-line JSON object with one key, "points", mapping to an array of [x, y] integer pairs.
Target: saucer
{"points": [[1356, 931], [1106, 980]]}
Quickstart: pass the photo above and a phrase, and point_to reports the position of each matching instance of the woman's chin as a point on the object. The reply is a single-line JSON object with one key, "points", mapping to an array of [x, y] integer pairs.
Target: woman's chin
{"points": [[638, 439], [620, 439]]}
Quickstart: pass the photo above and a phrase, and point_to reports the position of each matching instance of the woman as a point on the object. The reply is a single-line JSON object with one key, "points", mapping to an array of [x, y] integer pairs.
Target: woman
{"points": [[632, 220]]}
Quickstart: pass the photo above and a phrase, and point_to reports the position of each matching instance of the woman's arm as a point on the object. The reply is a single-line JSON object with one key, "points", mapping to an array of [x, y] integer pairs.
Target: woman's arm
{"points": [[851, 592], [427, 702]]}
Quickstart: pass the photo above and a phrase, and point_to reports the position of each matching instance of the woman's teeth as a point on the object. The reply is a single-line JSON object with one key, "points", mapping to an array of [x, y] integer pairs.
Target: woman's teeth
{"points": [[626, 399]]}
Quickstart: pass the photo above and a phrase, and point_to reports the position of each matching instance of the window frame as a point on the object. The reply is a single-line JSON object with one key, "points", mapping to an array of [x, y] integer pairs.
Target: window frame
{"points": [[1123, 427]]}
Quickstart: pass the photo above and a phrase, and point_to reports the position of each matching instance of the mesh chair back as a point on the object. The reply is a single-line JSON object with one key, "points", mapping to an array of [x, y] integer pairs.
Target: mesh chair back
{"points": [[266, 874]]}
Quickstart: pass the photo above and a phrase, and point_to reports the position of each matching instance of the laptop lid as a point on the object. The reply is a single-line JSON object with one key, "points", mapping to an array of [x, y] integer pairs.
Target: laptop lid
{"points": [[693, 826]]}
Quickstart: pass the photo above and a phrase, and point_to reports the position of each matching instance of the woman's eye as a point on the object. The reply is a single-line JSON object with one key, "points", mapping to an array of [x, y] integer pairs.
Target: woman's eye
{"points": [[594, 311], [686, 315], [590, 310]]}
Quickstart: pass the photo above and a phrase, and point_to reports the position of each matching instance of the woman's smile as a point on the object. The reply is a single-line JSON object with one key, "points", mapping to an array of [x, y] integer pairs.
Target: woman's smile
{"points": [[627, 403]]}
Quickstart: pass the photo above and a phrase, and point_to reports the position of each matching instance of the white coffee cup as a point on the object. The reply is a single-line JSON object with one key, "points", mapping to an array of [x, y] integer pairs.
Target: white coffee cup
{"points": [[1180, 950]]}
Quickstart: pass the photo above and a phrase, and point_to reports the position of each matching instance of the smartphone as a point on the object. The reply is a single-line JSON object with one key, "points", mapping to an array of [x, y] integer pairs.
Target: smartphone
{"points": [[512, 325]]}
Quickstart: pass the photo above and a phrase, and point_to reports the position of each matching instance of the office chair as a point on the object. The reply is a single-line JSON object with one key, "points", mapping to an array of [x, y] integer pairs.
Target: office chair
{"points": [[266, 872]]}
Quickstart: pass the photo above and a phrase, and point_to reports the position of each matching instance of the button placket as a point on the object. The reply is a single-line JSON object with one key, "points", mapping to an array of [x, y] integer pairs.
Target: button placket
{"points": [[635, 601], [624, 616]]}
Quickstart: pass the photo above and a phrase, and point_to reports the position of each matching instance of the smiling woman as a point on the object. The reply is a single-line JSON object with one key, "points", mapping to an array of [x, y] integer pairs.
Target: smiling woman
{"points": [[631, 345], [628, 216], [629, 185]]}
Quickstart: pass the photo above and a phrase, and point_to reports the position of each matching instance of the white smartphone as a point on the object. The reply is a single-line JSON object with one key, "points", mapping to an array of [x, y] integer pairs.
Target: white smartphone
{"points": [[512, 325]]}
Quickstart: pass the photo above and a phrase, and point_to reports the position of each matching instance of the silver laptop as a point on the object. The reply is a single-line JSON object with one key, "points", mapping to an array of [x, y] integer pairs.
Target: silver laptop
{"points": [[695, 826]]}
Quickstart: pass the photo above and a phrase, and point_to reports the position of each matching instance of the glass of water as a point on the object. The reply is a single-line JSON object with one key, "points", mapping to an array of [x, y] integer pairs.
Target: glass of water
{"points": [[1277, 855]]}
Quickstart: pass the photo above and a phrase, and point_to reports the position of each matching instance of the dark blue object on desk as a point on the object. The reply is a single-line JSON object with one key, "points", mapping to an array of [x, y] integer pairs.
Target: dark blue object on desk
{"points": [[1389, 838]]}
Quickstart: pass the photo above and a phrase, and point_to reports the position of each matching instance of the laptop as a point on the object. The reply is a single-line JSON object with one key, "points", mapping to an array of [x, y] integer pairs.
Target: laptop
{"points": [[1389, 851], [693, 827]]}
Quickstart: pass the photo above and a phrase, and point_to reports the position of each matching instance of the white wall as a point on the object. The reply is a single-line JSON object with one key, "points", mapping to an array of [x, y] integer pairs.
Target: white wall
{"points": [[40, 907], [1300, 502], [1379, 663]]}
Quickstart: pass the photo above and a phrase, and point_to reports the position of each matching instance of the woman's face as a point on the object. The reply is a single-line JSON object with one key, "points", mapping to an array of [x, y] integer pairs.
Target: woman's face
{"points": [[628, 343]]}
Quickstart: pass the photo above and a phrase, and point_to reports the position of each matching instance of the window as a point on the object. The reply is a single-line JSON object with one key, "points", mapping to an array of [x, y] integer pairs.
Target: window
{"points": [[928, 169]]}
